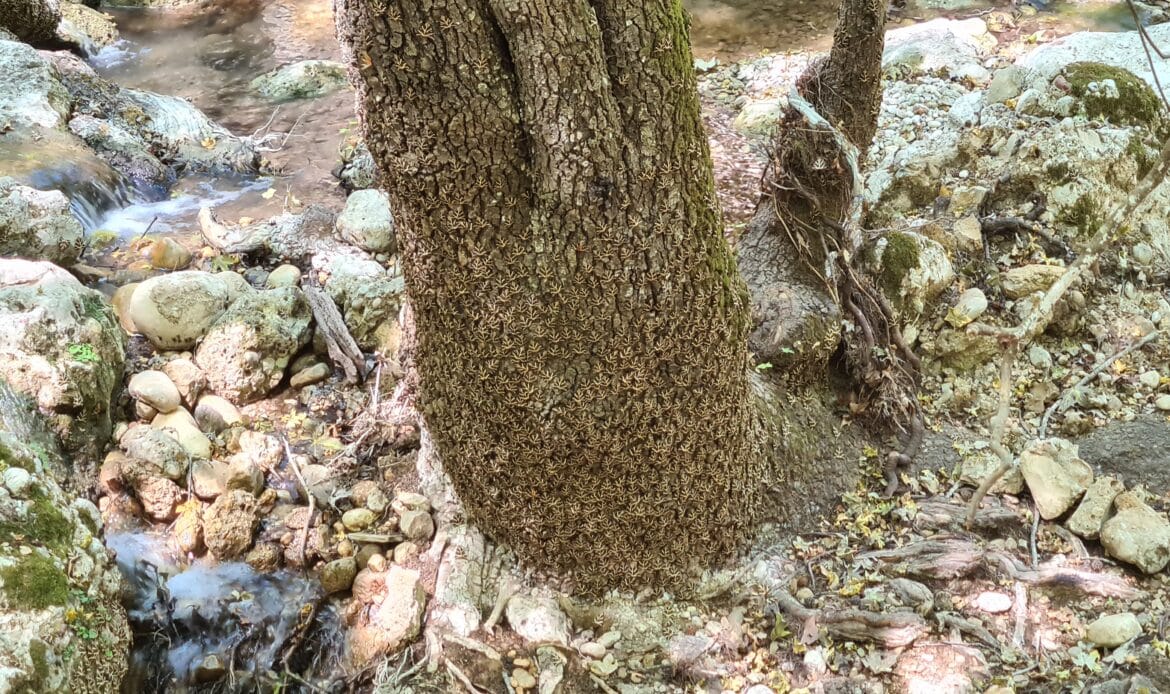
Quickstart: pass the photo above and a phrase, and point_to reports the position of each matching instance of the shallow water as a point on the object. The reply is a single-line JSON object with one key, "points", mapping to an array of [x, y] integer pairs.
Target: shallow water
{"points": [[207, 624]]}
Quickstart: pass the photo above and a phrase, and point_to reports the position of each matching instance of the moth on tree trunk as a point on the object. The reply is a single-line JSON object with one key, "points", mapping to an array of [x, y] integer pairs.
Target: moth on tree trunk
{"points": [[581, 325]]}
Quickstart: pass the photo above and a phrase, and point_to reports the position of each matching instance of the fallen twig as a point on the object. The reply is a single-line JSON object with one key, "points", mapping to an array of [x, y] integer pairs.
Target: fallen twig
{"points": [[892, 630], [998, 424], [308, 492]]}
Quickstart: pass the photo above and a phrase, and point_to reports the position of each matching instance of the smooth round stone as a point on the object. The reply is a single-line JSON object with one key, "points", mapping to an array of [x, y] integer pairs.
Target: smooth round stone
{"points": [[155, 389], [309, 376], [1150, 379], [1112, 630], [358, 519], [993, 603], [283, 276], [18, 481], [1163, 403], [338, 575], [214, 414]]}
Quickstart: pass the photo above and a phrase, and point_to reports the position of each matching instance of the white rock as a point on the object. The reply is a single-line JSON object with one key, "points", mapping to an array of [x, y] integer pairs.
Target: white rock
{"points": [[1055, 476], [155, 389], [1112, 630], [182, 427], [993, 603], [971, 304], [1137, 534], [173, 311], [283, 276], [538, 620]]}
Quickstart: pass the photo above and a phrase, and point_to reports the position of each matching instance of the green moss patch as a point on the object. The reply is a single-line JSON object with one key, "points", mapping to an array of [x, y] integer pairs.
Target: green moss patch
{"points": [[1084, 214], [45, 525], [898, 259], [35, 582], [1135, 103]]}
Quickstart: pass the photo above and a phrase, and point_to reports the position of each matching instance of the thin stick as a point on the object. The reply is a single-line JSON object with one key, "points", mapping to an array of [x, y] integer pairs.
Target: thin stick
{"points": [[998, 423], [1034, 533], [308, 492], [148, 228], [1090, 376]]}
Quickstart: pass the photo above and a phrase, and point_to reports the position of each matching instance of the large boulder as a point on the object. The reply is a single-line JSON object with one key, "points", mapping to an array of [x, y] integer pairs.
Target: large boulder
{"points": [[38, 224], [60, 343], [31, 93], [245, 352], [174, 311], [62, 622]]}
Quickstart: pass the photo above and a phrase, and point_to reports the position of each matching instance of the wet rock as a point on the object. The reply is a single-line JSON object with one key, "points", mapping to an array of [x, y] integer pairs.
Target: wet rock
{"points": [[38, 225], [156, 390], [214, 414], [1055, 476], [157, 448], [1112, 630], [538, 620], [307, 79], [1019, 282], [416, 525], [392, 623], [338, 575], [188, 528], [166, 254], [173, 311], [187, 377], [358, 519], [246, 350], [1087, 520], [264, 557], [309, 376], [61, 346], [229, 524], [182, 426], [283, 276], [1137, 534]]}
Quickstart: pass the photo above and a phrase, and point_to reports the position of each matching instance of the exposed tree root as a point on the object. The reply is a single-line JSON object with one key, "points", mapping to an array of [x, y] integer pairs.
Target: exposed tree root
{"points": [[893, 630]]}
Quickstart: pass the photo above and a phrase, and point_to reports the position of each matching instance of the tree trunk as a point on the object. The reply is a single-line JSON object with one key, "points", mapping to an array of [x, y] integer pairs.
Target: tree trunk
{"points": [[580, 323], [33, 21]]}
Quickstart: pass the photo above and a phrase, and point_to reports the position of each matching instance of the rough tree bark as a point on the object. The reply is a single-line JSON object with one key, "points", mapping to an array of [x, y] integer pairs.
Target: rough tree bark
{"points": [[580, 323]]}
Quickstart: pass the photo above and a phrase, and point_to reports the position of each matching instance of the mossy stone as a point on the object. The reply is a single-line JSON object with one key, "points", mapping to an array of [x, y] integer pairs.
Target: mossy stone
{"points": [[1136, 103], [35, 582]]}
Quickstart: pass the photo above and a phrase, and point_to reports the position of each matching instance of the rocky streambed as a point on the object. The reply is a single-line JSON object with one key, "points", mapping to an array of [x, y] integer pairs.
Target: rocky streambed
{"points": [[213, 479]]}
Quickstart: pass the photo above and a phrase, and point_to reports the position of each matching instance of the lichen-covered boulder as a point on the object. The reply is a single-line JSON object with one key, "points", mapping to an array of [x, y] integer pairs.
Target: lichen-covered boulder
{"points": [[38, 224], [245, 352], [60, 344], [173, 311], [63, 626], [34, 21], [31, 93]]}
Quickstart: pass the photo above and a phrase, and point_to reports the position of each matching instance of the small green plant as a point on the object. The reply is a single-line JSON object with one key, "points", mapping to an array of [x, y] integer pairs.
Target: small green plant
{"points": [[84, 353], [223, 263]]}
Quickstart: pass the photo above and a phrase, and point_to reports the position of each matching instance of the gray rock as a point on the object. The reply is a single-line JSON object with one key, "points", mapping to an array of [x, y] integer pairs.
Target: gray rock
{"points": [[157, 448], [156, 390], [245, 352], [416, 525], [538, 620], [951, 47], [1055, 476], [1137, 534], [1006, 84], [38, 224], [356, 170], [1135, 451], [214, 414], [174, 311], [307, 377], [1087, 520], [367, 222], [1112, 630], [759, 117], [965, 111], [18, 481], [307, 79], [60, 344]]}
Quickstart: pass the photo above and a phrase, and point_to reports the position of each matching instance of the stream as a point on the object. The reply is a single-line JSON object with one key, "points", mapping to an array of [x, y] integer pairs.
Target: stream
{"points": [[193, 618]]}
